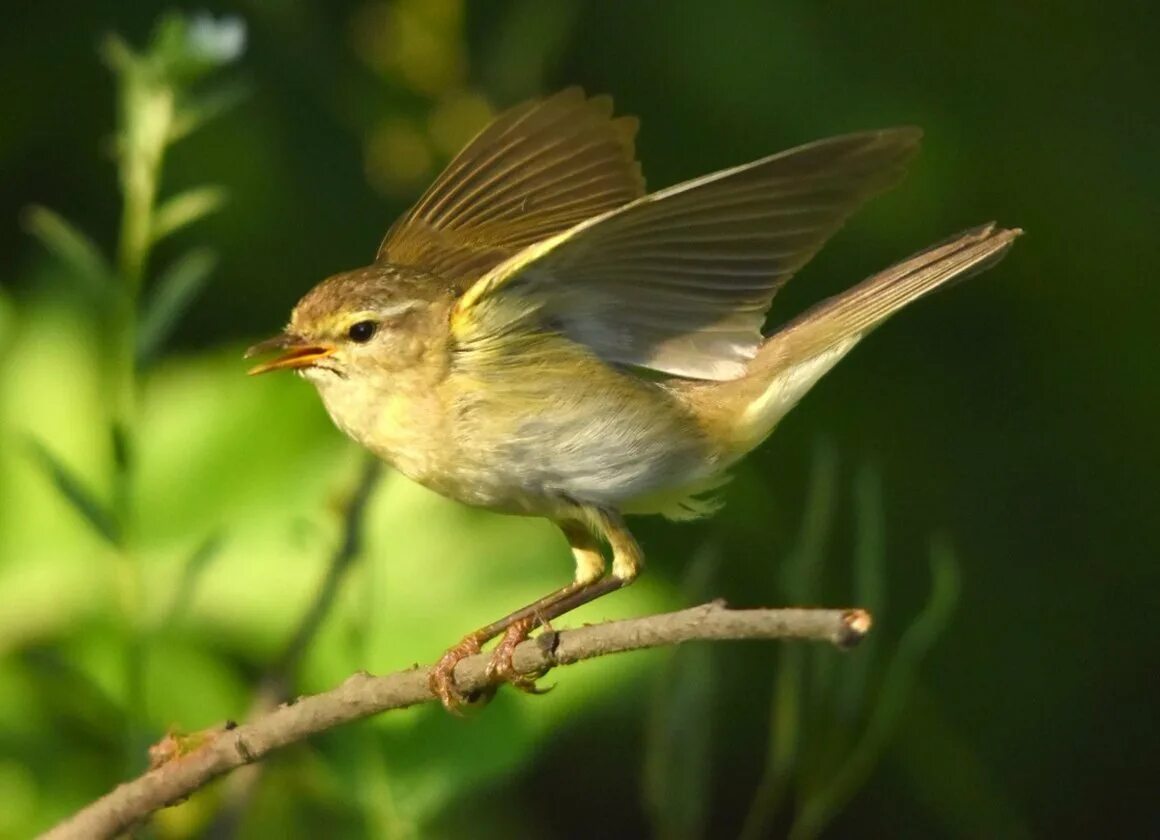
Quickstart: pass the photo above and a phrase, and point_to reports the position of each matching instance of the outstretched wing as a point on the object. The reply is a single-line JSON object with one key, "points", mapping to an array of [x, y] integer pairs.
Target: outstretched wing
{"points": [[536, 170], [680, 281]]}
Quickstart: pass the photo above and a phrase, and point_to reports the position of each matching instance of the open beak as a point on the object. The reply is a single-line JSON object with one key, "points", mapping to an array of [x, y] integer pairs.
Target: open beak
{"points": [[294, 353]]}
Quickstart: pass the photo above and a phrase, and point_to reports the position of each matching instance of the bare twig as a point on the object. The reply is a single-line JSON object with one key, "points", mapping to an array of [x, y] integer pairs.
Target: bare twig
{"points": [[200, 759]]}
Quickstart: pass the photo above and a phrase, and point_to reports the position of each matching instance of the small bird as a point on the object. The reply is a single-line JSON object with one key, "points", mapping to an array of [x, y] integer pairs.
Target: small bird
{"points": [[539, 336]]}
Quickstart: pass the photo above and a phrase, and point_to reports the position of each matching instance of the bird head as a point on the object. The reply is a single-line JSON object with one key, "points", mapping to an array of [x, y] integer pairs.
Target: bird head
{"points": [[361, 324]]}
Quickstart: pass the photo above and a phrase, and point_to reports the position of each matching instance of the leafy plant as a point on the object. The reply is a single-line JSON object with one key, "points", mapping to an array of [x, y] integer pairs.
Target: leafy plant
{"points": [[161, 99], [830, 722], [832, 715]]}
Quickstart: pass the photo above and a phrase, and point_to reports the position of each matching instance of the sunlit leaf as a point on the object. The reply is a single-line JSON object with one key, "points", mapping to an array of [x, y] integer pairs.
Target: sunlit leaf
{"points": [[174, 291], [191, 573], [82, 498], [75, 698], [187, 681], [186, 208], [122, 448], [186, 47], [72, 247], [117, 54], [216, 40]]}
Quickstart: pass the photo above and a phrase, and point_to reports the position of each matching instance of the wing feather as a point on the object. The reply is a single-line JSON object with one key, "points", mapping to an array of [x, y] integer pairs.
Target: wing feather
{"points": [[535, 171], [680, 281]]}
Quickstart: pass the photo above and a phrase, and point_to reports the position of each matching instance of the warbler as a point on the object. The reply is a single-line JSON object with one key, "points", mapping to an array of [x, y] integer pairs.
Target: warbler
{"points": [[539, 336]]}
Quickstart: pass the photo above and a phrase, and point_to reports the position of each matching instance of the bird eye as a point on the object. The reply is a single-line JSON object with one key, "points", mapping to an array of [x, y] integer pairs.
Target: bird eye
{"points": [[362, 332]]}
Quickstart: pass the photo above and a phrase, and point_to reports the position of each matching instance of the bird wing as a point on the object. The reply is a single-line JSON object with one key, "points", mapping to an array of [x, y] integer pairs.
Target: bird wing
{"points": [[680, 281], [538, 169]]}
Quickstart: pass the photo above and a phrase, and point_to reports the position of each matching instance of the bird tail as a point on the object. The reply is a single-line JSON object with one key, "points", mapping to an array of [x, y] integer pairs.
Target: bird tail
{"points": [[795, 357]]}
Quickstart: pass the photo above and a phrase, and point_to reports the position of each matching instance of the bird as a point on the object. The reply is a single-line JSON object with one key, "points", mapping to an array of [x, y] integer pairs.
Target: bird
{"points": [[540, 336]]}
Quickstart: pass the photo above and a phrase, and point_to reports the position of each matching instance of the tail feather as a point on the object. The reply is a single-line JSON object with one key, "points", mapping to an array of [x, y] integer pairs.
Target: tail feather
{"points": [[794, 358]]}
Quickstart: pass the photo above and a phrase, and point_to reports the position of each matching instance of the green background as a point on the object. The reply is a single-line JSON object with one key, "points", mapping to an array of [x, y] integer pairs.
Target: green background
{"points": [[1015, 416]]}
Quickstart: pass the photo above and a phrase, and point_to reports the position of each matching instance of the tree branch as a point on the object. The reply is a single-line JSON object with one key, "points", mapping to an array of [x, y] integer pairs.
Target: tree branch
{"points": [[194, 761]]}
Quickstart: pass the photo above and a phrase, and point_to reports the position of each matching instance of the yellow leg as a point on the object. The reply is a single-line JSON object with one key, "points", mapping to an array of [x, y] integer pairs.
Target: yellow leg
{"points": [[590, 583], [590, 565], [627, 558]]}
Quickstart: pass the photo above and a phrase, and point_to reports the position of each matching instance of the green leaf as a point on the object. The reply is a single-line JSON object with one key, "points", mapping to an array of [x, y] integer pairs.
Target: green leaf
{"points": [[800, 574], [72, 247], [216, 41], [117, 54], [72, 695], [186, 47], [83, 500], [869, 591], [840, 687], [174, 291], [186, 208], [196, 112], [870, 565], [191, 572], [123, 454]]}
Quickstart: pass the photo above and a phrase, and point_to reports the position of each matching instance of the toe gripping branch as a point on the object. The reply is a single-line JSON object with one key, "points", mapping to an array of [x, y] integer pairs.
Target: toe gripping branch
{"points": [[514, 628]]}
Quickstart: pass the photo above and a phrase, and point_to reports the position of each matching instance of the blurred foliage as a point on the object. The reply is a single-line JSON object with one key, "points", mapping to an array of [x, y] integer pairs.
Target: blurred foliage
{"points": [[167, 522], [829, 724]]}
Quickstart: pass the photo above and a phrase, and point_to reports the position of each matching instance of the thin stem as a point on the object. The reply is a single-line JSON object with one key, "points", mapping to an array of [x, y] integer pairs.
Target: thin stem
{"points": [[147, 123], [183, 765], [146, 120]]}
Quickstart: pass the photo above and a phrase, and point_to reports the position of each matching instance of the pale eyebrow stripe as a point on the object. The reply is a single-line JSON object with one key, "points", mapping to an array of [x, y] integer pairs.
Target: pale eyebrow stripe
{"points": [[395, 310]]}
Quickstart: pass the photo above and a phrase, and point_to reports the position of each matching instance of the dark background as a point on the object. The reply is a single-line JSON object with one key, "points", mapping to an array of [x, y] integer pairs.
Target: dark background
{"points": [[1015, 415]]}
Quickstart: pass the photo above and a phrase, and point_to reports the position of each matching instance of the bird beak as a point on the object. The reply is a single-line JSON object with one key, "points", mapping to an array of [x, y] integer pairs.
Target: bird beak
{"points": [[294, 353]]}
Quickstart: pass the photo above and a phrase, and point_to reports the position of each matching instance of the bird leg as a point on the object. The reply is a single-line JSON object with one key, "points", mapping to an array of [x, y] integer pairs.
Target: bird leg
{"points": [[589, 584], [442, 675]]}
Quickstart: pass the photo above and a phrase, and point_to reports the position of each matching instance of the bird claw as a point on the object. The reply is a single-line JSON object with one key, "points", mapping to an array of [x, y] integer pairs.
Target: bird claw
{"points": [[441, 679], [501, 669]]}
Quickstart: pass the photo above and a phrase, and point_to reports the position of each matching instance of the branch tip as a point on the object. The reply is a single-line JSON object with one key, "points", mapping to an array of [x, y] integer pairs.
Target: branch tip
{"points": [[856, 623]]}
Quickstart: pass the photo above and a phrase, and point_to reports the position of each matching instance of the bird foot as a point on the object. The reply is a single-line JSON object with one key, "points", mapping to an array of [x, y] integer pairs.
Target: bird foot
{"points": [[500, 667], [441, 679]]}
